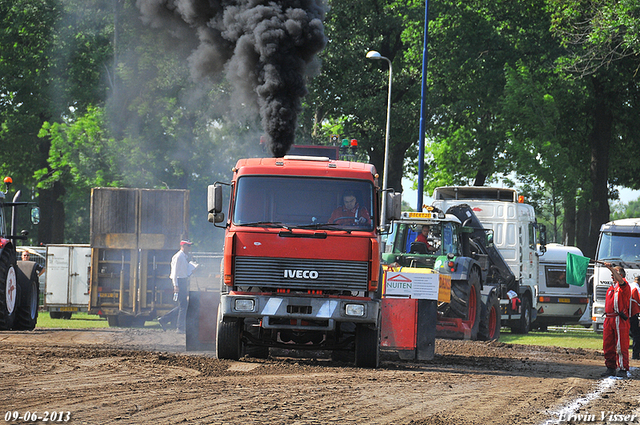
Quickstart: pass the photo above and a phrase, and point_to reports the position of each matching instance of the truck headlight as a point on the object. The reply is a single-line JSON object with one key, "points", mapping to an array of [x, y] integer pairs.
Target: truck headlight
{"points": [[598, 311], [245, 305], [354, 310]]}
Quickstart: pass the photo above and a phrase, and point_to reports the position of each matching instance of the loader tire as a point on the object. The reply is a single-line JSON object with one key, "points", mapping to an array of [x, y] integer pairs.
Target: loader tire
{"points": [[465, 301], [8, 290], [27, 306], [490, 319]]}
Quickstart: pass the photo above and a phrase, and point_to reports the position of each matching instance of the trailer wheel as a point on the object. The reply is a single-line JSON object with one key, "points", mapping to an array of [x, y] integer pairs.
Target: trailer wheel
{"points": [[112, 321], [524, 323], [465, 301], [228, 339], [8, 290], [27, 308], [490, 319], [367, 352]]}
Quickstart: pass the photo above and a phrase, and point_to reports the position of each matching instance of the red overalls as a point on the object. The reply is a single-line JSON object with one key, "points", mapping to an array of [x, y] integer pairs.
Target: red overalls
{"points": [[615, 334]]}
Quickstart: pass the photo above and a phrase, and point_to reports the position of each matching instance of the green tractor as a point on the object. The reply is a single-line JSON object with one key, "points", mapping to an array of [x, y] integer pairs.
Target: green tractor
{"points": [[440, 242]]}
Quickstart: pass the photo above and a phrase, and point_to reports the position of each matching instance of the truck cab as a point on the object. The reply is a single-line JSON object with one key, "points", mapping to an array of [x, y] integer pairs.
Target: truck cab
{"points": [[300, 268], [619, 244]]}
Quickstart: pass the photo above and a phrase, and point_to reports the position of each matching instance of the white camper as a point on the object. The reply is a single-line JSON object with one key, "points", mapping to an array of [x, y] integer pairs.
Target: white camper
{"points": [[558, 302]]}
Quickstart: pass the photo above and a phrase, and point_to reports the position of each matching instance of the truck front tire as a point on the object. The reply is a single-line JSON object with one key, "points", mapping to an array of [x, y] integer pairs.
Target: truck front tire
{"points": [[367, 350], [228, 339], [524, 323]]}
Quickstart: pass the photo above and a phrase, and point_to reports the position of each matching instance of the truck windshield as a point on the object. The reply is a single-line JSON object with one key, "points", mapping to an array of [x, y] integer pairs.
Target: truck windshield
{"points": [[304, 202], [619, 246]]}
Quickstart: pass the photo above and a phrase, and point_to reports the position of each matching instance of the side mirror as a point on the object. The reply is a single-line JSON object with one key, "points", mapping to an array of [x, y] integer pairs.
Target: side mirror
{"points": [[216, 218], [35, 215], [394, 206], [214, 199], [543, 237]]}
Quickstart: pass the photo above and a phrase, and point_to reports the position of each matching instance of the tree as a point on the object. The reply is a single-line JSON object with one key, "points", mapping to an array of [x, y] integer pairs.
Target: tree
{"points": [[49, 68], [599, 57], [351, 91]]}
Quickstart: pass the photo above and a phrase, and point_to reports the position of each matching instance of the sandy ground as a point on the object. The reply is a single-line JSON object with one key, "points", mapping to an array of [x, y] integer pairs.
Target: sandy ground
{"points": [[144, 376]]}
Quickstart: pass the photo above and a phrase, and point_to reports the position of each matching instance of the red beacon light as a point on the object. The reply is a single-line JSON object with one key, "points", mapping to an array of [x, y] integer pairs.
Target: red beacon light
{"points": [[354, 145], [520, 199], [8, 180]]}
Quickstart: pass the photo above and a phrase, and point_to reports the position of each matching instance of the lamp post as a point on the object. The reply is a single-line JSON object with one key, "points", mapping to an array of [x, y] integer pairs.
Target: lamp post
{"points": [[372, 54]]}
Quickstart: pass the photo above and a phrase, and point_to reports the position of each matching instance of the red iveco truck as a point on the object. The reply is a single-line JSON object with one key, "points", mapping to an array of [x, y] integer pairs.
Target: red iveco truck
{"points": [[297, 272]]}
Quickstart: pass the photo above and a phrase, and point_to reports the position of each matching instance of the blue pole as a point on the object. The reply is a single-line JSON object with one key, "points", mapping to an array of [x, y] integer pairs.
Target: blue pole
{"points": [[423, 111]]}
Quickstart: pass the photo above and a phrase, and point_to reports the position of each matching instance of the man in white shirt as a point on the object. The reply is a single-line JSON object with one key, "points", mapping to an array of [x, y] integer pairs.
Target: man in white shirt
{"points": [[180, 271]]}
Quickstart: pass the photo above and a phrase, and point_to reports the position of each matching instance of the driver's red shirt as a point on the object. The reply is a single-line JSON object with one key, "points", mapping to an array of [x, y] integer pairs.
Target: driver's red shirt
{"points": [[422, 238], [356, 213]]}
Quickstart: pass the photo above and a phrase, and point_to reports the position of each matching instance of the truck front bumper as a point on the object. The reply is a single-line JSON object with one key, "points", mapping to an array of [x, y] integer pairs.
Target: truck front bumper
{"points": [[290, 312]]}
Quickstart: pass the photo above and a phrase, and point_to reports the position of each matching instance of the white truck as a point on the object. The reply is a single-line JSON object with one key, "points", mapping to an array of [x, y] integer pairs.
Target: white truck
{"points": [[558, 302], [515, 236], [67, 285], [619, 244]]}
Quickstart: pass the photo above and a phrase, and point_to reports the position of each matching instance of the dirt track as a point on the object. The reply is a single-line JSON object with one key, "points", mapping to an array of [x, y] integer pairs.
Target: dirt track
{"points": [[139, 376]]}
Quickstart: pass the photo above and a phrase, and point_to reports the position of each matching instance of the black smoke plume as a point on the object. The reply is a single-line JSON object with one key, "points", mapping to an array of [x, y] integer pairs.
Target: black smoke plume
{"points": [[266, 48]]}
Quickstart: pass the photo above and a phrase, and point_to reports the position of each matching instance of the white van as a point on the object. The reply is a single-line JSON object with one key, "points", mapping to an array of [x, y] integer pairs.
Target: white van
{"points": [[558, 302]]}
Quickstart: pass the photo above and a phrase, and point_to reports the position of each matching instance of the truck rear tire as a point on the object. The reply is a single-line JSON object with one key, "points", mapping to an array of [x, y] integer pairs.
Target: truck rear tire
{"points": [[228, 339], [8, 290], [367, 350], [27, 305], [490, 319], [524, 323], [465, 301]]}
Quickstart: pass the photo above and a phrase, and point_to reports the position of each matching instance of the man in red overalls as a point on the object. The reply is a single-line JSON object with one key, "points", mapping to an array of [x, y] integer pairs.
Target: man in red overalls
{"points": [[615, 334], [633, 321]]}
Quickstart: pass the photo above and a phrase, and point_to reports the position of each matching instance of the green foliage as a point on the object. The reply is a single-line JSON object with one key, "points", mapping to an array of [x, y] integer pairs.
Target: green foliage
{"points": [[630, 210], [508, 100]]}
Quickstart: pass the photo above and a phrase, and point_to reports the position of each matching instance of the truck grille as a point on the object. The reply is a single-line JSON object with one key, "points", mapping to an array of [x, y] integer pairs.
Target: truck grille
{"points": [[601, 292], [298, 274]]}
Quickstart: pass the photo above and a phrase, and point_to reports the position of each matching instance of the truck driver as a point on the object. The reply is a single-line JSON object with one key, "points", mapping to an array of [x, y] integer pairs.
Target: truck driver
{"points": [[350, 213]]}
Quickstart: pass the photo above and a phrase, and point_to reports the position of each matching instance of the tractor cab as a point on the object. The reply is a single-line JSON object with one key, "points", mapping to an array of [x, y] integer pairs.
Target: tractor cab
{"points": [[417, 239]]}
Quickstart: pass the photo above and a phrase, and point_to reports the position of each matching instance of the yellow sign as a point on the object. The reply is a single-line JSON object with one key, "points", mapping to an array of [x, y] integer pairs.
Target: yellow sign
{"points": [[444, 293], [419, 215], [108, 295], [68, 308]]}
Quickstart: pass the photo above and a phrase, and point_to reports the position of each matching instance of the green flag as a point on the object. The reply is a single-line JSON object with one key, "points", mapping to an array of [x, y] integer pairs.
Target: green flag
{"points": [[576, 269]]}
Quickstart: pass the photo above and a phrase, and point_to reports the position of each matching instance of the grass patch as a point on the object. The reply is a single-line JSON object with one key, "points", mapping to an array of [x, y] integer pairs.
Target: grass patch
{"points": [[78, 320], [567, 337]]}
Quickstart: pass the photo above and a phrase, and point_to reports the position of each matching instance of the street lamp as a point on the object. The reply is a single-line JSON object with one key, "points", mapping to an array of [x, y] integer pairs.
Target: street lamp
{"points": [[372, 54]]}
